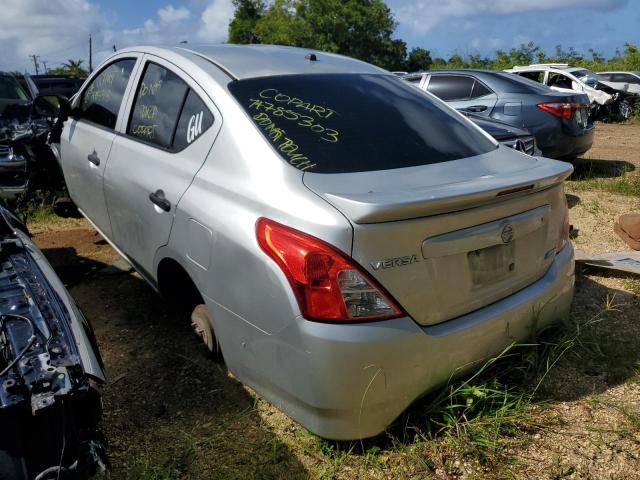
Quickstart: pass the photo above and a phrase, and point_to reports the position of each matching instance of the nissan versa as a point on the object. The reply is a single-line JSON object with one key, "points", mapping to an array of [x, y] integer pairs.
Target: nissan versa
{"points": [[347, 240]]}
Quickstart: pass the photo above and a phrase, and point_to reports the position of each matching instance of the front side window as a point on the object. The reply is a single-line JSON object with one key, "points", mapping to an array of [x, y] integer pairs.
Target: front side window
{"points": [[102, 98], [341, 123], [450, 87], [159, 98]]}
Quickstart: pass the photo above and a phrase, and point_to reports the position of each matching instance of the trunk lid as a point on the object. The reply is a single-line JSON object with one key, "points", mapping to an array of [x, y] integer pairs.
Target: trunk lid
{"points": [[450, 238]]}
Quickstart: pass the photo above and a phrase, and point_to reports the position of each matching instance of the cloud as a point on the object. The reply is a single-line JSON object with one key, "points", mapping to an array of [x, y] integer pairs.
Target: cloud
{"points": [[215, 20], [422, 16], [55, 30], [169, 14], [169, 26]]}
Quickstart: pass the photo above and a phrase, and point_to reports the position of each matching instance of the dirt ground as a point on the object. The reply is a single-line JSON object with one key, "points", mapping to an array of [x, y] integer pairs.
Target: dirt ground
{"points": [[172, 411]]}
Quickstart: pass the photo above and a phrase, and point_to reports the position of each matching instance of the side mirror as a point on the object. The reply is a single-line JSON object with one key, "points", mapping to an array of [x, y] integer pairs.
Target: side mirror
{"points": [[51, 106]]}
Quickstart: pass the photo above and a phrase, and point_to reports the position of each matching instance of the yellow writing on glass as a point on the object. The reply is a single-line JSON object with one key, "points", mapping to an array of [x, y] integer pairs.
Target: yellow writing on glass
{"points": [[148, 111], [150, 88], [283, 143], [278, 97], [97, 96], [144, 131], [327, 134]]}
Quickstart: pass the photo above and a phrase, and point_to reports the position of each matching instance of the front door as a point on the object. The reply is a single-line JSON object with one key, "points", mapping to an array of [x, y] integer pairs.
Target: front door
{"points": [[168, 136], [87, 138]]}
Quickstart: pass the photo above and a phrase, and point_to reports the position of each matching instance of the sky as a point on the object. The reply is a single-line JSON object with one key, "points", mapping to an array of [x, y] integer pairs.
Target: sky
{"points": [[56, 30]]}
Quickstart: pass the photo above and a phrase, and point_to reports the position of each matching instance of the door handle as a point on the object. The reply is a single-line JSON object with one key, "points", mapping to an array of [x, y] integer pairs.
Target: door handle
{"points": [[157, 198], [477, 108], [94, 158]]}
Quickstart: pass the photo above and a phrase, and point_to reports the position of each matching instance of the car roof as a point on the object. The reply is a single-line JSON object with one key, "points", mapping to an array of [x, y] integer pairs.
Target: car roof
{"points": [[545, 67], [250, 61], [633, 72]]}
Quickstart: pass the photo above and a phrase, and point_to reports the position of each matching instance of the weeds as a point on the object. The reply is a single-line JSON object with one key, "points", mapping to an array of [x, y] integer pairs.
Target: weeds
{"points": [[36, 207]]}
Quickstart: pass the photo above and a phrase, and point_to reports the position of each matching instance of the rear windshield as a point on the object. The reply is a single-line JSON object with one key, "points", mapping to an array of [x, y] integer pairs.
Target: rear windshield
{"points": [[341, 123]]}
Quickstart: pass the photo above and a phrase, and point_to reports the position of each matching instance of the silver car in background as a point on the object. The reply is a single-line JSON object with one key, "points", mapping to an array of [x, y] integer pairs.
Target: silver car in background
{"points": [[352, 241]]}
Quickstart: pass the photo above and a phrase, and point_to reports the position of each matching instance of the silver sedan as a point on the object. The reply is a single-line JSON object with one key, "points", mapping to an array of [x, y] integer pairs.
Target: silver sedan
{"points": [[346, 240]]}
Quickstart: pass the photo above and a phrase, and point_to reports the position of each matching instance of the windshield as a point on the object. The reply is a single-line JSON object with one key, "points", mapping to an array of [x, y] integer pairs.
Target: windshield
{"points": [[10, 89], [340, 123], [588, 77]]}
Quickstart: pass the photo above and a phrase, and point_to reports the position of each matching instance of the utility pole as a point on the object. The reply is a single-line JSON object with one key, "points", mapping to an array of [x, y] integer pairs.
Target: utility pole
{"points": [[35, 62], [46, 70], [90, 55]]}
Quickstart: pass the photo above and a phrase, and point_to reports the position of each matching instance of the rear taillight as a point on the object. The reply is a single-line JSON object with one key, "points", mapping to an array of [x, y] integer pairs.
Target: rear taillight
{"points": [[560, 109], [564, 233], [328, 285]]}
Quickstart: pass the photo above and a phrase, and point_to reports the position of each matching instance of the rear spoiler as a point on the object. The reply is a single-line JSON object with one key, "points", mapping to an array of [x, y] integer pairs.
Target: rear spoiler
{"points": [[393, 205]]}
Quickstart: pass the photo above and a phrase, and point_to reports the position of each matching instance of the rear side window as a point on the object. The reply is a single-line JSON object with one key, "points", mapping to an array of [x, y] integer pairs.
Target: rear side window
{"points": [[340, 123], [194, 120], [625, 77], [102, 98], [159, 98], [535, 76], [450, 87], [559, 81], [479, 90]]}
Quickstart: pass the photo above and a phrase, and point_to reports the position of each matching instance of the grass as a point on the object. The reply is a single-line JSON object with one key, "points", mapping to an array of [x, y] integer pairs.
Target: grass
{"points": [[612, 177], [165, 465], [475, 414]]}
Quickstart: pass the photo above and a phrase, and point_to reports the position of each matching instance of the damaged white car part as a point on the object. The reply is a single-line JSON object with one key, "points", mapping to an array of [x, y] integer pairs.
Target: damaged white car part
{"points": [[617, 98], [51, 374]]}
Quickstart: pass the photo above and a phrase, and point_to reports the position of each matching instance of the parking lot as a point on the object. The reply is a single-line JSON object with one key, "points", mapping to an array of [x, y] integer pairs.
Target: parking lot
{"points": [[172, 411]]}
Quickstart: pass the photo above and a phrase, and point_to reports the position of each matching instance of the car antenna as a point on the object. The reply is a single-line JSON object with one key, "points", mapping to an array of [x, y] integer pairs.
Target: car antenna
{"points": [[311, 57]]}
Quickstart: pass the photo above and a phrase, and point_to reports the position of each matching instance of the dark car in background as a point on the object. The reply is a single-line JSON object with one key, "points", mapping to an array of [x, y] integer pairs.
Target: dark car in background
{"points": [[15, 102], [559, 121], [57, 85], [508, 135]]}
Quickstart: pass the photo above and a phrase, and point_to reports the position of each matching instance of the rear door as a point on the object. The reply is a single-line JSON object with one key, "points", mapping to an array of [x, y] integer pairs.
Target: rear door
{"points": [[88, 135], [171, 125], [463, 92]]}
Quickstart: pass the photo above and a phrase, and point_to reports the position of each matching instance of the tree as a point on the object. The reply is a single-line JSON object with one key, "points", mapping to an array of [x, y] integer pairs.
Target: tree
{"points": [[419, 59], [71, 68], [242, 28], [358, 28]]}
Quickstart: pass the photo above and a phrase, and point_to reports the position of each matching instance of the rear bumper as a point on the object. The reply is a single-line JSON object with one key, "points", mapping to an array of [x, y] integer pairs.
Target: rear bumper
{"points": [[351, 381], [559, 143]]}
